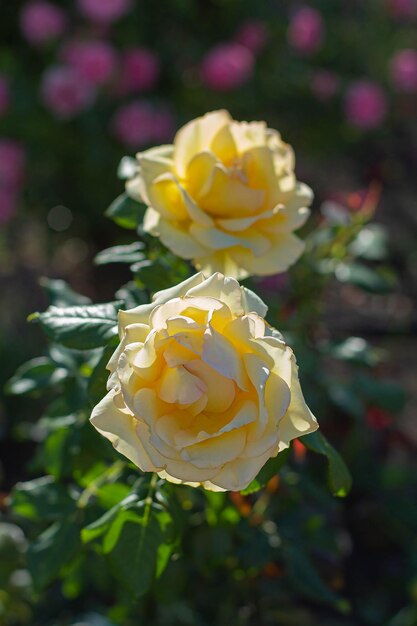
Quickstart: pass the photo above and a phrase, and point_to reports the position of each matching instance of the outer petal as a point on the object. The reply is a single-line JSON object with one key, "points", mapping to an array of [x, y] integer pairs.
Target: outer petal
{"points": [[298, 420], [120, 428], [285, 251], [195, 137]]}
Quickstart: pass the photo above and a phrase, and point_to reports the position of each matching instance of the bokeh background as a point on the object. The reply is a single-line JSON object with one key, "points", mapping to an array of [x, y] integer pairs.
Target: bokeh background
{"points": [[83, 83]]}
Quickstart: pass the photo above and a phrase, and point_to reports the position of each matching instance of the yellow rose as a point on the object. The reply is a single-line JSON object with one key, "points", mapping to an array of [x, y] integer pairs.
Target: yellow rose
{"points": [[202, 391], [224, 195]]}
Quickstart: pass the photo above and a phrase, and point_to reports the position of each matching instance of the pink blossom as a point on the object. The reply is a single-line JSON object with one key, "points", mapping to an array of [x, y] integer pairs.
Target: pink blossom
{"points": [[8, 201], [252, 34], [12, 164], [227, 66], [140, 70], [132, 124], [42, 21], [104, 11], [65, 92], [306, 30], [96, 61], [365, 104], [324, 84], [404, 70], [162, 125], [403, 9], [4, 95]]}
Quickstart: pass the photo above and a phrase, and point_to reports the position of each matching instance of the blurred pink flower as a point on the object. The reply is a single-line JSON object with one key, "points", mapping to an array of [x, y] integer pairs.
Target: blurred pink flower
{"points": [[403, 69], [132, 124], [162, 125], [4, 95], [275, 283], [12, 164], [403, 8], [252, 34], [324, 84], [96, 61], [365, 104], [306, 30], [104, 11], [140, 70], [227, 66], [7, 204], [42, 21], [65, 92]]}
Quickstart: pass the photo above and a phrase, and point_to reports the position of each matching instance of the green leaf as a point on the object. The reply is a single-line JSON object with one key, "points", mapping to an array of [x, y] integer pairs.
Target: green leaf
{"points": [[339, 476], [364, 277], [386, 394], [80, 327], [35, 375], [126, 212], [307, 579], [103, 523], [51, 550], [131, 253], [356, 350], [61, 294], [98, 379], [371, 243], [269, 470], [160, 273], [41, 498], [134, 556], [57, 450]]}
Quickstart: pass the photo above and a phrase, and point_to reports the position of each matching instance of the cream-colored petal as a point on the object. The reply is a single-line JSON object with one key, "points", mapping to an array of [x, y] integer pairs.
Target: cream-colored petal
{"points": [[178, 239], [285, 251], [221, 288], [247, 135], [237, 474], [298, 419], [253, 303], [230, 197], [222, 356], [220, 391], [120, 428], [181, 289], [220, 261], [215, 452], [178, 385], [195, 137]]}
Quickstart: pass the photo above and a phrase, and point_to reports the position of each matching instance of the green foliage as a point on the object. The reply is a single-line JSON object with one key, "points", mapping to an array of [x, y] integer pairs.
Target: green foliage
{"points": [[339, 477], [269, 470], [126, 212], [80, 327]]}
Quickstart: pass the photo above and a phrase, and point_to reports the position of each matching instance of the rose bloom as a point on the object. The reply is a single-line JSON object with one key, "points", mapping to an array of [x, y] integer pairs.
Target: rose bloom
{"points": [[201, 389], [224, 195], [252, 34], [65, 92], [4, 95], [403, 9], [324, 84], [139, 70], [104, 11], [7, 204], [95, 61], [365, 104], [132, 124], [227, 66], [305, 32], [42, 21], [12, 163], [404, 70]]}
